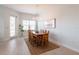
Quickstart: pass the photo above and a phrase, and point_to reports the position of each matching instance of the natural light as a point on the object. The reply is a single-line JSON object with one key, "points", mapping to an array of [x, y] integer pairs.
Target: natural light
{"points": [[29, 24], [12, 26]]}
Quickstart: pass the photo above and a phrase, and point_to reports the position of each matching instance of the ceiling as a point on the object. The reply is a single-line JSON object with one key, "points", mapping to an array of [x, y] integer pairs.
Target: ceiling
{"points": [[35, 8], [38, 9], [29, 8]]}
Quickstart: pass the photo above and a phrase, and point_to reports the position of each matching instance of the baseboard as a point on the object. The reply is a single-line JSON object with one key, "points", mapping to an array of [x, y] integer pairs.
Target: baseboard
{"points": [[64, 45], [76, 50], [3, 40]]}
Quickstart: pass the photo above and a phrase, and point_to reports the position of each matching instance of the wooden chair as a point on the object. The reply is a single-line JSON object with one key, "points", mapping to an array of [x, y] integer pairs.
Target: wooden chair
{"points": [[39, 40], [45, 39], [30, 36]]}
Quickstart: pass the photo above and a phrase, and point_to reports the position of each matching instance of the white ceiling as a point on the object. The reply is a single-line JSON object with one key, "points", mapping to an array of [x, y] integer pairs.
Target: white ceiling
{"points": [[35, 8], [45, 11], [28, 8]]}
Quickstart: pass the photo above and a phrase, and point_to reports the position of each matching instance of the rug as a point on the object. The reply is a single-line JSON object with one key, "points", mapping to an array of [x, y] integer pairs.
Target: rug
{"points": [[34, 50]]}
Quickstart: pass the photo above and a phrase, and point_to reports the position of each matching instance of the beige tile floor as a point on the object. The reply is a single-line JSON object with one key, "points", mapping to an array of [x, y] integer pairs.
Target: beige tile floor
{"points": [[61, 51], [18, 47], [14, 47]]}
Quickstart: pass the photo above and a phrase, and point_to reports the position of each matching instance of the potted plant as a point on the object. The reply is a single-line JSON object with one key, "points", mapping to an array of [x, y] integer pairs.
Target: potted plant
{"points": [[21, 30]]}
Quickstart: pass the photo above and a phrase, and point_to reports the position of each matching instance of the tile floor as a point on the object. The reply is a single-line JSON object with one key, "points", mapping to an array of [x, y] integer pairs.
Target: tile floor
{"points": [[18, 47]]}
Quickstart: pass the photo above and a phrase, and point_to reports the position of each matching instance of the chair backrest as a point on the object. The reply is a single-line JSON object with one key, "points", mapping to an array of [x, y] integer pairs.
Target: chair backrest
{"points": [[30, 34]]}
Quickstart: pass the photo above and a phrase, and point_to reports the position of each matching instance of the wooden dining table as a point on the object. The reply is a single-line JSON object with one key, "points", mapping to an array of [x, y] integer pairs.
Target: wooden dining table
{"points": [[39, 38]]}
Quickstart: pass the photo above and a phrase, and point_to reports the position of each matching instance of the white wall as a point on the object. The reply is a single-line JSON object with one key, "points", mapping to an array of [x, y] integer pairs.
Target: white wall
{"points": [[5, 14], [1, 26], [67, 26]]}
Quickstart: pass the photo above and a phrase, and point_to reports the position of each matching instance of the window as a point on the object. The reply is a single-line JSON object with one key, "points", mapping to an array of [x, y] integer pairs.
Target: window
{"points": [[32, 25], [50, 24], [29, 24], [45, 24], [41, 25], [12, 26], [25, 25]]}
